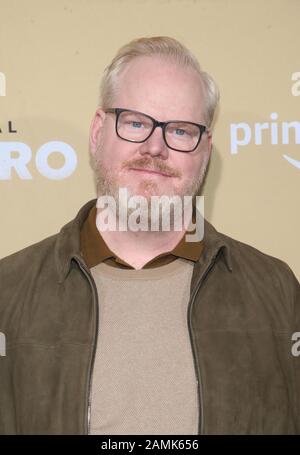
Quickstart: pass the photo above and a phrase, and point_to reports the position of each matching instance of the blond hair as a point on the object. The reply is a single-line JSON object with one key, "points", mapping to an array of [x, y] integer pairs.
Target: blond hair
{"points": [[164, 46]]}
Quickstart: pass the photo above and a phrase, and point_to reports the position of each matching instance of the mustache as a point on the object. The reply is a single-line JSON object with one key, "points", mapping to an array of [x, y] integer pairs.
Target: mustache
{"points": [[146, 163]]}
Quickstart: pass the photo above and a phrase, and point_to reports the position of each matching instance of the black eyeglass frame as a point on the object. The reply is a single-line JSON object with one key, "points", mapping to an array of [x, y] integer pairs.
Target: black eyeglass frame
{"points": [[156, 123]]}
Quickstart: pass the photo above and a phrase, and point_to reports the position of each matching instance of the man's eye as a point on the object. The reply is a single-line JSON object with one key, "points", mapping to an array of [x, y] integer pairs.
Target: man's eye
{"points": [[136, 124], [180, 132]]}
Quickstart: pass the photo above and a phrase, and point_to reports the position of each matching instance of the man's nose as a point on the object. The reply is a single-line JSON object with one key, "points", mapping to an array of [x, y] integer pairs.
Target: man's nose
{"points": [[155, 144]]}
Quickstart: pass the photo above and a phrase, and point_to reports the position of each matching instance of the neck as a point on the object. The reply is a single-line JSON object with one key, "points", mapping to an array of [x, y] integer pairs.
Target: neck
{"points": [[138, 248]]}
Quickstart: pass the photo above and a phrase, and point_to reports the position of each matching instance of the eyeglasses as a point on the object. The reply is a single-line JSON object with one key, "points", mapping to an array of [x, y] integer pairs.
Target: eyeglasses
{"points": [[134, 126]]}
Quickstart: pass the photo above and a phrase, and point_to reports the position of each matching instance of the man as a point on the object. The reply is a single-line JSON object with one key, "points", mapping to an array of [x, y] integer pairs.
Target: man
{"points": [[125, 331]]}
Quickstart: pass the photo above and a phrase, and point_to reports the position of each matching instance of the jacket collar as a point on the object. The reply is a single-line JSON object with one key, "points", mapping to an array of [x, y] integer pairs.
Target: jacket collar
{"points": [[68, 241], [67, 245]]}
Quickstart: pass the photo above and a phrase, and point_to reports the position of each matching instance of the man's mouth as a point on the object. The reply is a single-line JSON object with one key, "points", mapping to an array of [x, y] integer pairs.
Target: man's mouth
{"points": [[150, 171]]}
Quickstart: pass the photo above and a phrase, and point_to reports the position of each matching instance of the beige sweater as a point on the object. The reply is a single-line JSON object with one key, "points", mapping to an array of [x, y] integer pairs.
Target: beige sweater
{"points": [[144, 380]]}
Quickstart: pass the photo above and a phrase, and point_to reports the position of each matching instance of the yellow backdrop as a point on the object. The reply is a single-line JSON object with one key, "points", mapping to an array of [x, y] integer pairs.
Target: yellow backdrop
{"points": [[52, 54]]}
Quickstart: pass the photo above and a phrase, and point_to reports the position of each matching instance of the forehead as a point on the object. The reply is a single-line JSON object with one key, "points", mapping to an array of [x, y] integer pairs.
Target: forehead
{"points": [[161, 88]]}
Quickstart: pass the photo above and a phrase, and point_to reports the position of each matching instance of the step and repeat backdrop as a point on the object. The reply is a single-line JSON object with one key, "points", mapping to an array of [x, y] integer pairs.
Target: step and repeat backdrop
{"points": [[52, 55]]}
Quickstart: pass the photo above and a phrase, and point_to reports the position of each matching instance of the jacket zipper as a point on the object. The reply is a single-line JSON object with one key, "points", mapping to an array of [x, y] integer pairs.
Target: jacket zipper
{"points": [[195, 358], [196, 363], [91, 368]]}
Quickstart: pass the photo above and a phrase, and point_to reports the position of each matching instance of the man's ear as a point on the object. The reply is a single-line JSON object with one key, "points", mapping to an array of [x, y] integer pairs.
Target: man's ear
{"points": [[96, 130]]}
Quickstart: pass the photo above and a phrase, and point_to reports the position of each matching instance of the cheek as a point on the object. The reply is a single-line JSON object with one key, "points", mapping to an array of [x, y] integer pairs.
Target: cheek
{"points": [[189, 168], [104, 150], [113, 152]]}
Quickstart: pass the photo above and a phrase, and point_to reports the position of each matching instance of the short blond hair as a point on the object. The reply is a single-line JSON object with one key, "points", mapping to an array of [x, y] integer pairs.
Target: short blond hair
{"points": [[163, 46]]}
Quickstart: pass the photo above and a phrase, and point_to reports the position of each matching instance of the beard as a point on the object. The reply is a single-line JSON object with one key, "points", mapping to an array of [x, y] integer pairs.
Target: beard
{"points": [[109, 183]]}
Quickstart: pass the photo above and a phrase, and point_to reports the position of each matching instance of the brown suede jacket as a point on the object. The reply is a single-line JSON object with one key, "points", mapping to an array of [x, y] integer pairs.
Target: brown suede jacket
{"points": [[244, 308]]}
